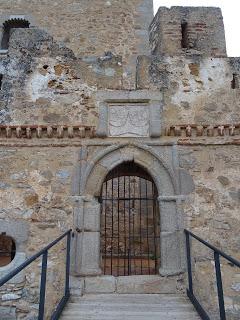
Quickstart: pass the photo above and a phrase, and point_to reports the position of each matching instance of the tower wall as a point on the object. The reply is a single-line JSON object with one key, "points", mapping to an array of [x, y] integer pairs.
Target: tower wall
{"points": [[179, 30], [90, 28]]}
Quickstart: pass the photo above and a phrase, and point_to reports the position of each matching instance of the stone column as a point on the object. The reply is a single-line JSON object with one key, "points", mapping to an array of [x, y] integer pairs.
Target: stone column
{"points": [[86, 248], [171, 236]]}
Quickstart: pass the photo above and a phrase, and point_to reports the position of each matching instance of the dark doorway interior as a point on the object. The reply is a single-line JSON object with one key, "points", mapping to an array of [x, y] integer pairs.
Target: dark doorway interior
{"points": [[7, 249]]}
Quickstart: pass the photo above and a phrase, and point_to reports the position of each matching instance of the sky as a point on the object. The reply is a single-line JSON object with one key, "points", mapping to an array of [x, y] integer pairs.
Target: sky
{"points": [[231, 17]]}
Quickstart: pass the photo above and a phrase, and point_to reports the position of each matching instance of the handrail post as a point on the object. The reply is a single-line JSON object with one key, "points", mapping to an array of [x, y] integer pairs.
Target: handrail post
{"points": [[43, 286], [219, 286], [189, 263], [67, 290]]}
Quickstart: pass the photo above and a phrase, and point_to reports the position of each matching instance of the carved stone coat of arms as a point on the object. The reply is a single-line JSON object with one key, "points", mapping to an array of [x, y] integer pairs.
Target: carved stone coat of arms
{"points": [[129, 120]]}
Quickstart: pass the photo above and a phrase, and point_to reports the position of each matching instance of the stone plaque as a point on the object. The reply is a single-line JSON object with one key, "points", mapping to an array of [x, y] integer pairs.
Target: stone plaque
{"points": [[128, 120]]}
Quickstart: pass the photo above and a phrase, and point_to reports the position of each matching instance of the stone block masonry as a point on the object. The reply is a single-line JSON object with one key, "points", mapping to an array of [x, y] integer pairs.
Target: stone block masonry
{"points": [[196, 30], [83, 92]]}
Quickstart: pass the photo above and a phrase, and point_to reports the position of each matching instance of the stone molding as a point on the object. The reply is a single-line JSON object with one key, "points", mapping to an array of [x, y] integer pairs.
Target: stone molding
{"points": [[114, 155], [195, 130], [172, 185], [80, 131], [46, 131]]}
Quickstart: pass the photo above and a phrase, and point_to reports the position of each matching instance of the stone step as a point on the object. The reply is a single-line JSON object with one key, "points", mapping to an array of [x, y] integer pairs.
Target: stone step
{"points": [[130, 307], [132, 298], [130, 284]]}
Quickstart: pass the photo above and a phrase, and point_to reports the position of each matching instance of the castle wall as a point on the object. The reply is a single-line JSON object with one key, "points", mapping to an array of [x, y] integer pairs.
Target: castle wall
{"points": [[90, 28], [41, 179], [187, 29], [62, 99]]}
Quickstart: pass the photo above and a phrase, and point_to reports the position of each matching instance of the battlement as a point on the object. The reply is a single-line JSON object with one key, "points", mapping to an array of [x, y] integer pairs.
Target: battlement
{"points": [[180, 30]]}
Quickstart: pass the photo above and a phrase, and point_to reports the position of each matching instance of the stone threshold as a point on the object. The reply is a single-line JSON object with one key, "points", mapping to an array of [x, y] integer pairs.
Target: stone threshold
{"points": [[152, 284]]}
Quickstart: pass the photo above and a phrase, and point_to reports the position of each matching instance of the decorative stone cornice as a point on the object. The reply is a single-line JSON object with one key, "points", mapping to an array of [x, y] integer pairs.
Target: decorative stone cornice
{"points": [[46, 131], [194, 130], [190, 131]]}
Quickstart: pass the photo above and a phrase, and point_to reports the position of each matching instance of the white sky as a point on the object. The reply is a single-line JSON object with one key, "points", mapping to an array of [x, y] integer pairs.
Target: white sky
{"points": [[231, 17]]}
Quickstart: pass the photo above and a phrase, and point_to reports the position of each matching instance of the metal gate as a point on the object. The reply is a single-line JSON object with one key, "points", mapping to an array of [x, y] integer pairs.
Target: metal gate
{"points": [[130, 232]]}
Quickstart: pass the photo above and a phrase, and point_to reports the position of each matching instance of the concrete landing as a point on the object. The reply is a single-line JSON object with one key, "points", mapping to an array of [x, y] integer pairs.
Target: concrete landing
{"points": [[130, 307]]}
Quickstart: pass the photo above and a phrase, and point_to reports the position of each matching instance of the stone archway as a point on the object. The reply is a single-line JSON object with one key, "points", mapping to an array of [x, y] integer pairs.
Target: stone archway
{"points": [[172, 184]]}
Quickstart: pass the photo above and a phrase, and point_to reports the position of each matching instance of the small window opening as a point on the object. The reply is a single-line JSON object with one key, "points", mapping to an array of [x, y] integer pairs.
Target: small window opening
{"points": [[7, 250], [235, 81], [184, 27], [1, 79], [7, 26]]}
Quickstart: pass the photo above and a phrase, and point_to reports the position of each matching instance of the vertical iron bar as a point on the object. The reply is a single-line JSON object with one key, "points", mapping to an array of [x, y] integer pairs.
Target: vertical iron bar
{"points": [[67, 290], [129, 226], [189, 263], [146, 201], [112, 239], [43, 286], [140, 192], [219, 286], [133, 228], [124, 218], [154, 226], [118, 225], [105, 227], [129, 263]]}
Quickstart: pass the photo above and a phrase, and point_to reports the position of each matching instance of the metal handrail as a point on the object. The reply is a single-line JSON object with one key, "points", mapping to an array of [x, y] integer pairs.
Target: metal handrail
{"points": [[44, 254], [217, 253]]}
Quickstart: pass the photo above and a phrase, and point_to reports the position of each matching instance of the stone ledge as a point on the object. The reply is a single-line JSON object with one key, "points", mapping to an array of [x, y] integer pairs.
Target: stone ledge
{"points": [[194, 130], [47, 131], [190, 131]]}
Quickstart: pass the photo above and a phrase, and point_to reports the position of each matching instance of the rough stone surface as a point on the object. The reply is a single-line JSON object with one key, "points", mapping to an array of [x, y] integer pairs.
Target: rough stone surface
{"points": [[146, 284], [103, 284], [204, 32], [55, 153], [133, 307]]}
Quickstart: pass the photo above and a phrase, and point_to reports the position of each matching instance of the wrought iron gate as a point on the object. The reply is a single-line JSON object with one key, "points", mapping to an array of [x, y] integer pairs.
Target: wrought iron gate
{"points": [[130, 234]]}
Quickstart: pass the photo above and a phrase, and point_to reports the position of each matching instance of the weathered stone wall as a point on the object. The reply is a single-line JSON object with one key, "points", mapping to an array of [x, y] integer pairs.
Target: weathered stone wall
{"points": [[204, 31], [197, 90], [212, 212], [56, 98], [44, 82], [40, 180], [91, 28]]}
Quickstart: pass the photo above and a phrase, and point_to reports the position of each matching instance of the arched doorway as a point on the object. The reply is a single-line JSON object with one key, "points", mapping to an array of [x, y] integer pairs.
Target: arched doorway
{"points": [[130, 223], [172, 184]]}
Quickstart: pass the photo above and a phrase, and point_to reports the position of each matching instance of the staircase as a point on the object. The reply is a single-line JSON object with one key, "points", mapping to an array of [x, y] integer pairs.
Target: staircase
{"points": [[130, 307]]}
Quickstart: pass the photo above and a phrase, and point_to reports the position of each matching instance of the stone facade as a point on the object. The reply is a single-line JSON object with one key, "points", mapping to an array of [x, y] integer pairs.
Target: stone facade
{"points": [[81, 92]]}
